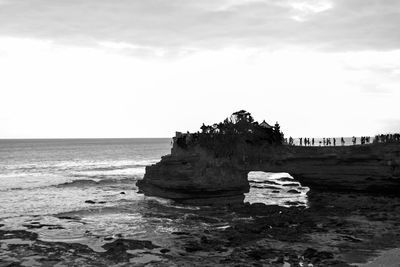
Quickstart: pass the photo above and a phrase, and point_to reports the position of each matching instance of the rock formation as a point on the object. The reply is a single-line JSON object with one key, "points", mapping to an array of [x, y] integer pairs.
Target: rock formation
{"points": [[195, 173]]}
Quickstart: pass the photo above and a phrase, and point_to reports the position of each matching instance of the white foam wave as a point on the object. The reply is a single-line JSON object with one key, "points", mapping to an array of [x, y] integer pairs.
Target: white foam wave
{"points": [[78, 165]]}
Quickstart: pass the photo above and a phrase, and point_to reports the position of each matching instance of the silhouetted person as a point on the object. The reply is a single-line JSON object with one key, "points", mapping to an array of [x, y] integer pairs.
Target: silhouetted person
{"points": [[334, 141], [301, 141], [312, 141], [354, 139], [342, 141], [323, 140]]}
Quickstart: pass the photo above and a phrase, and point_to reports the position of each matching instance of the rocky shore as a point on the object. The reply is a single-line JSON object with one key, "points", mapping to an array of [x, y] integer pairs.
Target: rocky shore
{"points": [[352, 217], [336, 230]]}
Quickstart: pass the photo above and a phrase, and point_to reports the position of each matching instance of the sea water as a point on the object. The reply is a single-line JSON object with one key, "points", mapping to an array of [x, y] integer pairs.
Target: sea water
{"points": [[84, 190]]}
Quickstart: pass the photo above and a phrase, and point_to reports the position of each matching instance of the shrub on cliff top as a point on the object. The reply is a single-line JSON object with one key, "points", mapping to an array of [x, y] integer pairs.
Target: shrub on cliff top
{"points": [[223, 138]]}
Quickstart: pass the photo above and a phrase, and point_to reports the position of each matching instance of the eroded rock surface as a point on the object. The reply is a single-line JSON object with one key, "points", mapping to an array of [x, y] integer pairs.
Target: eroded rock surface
{"points": [[197, 175]]}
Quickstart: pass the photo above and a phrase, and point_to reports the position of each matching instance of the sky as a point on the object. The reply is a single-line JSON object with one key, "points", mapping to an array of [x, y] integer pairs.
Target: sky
{"points": [[132, 68]]}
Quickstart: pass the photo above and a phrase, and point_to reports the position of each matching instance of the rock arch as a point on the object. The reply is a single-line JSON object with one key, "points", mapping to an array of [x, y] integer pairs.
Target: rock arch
{"points": [[195, 175]]}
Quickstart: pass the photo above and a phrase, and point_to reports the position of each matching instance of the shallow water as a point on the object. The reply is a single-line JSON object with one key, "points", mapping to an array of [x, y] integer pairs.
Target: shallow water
{"points": [[45, 186]]}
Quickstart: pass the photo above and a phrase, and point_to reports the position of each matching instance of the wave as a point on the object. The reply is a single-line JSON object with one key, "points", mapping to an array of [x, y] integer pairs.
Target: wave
{"points": [[111, 168], [98, 182], [24, 177], [78, 165]]}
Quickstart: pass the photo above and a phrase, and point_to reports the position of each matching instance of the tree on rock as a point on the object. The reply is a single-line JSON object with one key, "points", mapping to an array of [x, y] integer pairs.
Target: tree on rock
{"points": [[241, 116]]}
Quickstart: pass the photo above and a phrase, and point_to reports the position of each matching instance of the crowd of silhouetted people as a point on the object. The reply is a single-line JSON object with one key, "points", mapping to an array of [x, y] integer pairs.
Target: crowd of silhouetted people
{"points": [[387, 138], [311, 141], [382, 138]]}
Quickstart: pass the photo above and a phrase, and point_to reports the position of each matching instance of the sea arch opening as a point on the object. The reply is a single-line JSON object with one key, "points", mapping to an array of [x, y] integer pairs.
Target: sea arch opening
{"points": [[275, 188]]}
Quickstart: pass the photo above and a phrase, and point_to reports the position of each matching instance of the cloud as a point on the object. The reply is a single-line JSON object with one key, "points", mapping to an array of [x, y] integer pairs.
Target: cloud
{"points": [[340, 25]]}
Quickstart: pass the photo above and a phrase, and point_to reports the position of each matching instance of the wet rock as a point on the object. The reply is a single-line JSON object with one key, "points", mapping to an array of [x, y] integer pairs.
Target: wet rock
{"points": [[90, 201], [67, 218], [180, 233], [204, 240], [122, 193], [258, 209], [22, 234], [13, 264], [128, 244], [250, 228], [204, 219], [55, 227], [351, 238], [164, 250], [221, 249], [38, 226], [261, 253], [293, 191], [117, 250], [49, 261], [193, 247], [259, 235], [317, 256]]}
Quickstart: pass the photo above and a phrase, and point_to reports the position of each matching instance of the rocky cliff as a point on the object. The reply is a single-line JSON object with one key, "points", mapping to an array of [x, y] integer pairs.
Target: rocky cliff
{"points": [[197, 175]]}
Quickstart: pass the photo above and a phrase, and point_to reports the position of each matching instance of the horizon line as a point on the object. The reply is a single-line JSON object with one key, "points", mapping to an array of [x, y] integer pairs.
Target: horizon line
{"points": [[63, 138]]}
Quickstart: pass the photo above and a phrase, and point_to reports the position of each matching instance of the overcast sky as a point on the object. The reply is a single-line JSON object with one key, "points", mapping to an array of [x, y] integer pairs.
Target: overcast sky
{"points": [[134, 68]]}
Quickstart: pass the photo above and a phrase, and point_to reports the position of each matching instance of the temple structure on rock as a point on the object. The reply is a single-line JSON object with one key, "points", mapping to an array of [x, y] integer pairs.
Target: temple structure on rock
{"points": [[265, 125], [211, 166]]}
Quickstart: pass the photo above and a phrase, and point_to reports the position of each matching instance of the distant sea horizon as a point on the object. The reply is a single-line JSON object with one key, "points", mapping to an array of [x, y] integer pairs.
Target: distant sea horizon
{"points": [[317, 140], [78, 138]]}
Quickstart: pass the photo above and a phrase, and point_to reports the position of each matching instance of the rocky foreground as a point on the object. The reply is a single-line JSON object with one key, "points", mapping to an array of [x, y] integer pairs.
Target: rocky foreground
{"points": [[336, 230]]}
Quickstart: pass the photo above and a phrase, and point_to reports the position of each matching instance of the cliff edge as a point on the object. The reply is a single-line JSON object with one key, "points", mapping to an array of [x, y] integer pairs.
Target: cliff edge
{"points": [[212, 167]]}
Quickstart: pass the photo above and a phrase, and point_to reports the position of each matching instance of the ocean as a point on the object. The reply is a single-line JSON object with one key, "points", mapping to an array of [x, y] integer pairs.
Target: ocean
{"points": [[83, 191]]}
